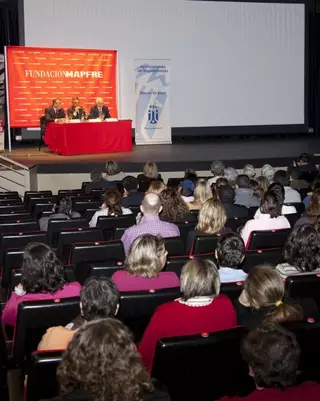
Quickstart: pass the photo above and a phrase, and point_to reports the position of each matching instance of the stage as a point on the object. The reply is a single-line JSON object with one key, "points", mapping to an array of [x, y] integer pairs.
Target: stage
{"points": [[197, 154]]}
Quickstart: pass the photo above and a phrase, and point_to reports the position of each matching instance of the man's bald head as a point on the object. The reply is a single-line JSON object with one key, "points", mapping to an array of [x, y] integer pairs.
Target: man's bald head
{"points": [[151, 205]]}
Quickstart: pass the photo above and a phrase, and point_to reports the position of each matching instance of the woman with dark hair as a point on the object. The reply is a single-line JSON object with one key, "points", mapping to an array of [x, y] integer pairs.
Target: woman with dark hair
{"points": [[263, 299], [111, 206], [42, 278], [301, 252], [313, 210], [173, 206], [62, 210], [101, 363], [270, 217]]}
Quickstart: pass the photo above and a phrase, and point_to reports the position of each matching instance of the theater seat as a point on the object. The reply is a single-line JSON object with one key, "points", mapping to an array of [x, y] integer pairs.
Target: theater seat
{"points": [[105, 269], [56, 225], [232, 290], [4, 367], [236, 223], [108, 224], [269, 239], [34, 318], [42, 382], [204, 244], [259, 257], [184, 229], [300, 207], [304, 286], [175, 264], [174, 246], [202, 367], [12, 260], [137, 307], [293, 218]]}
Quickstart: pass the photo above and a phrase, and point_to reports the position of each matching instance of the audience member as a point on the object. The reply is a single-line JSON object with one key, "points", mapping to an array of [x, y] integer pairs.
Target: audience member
{"points": [[102, 363], [227, 197], [270, 217], [303, 163], [291, 195], [150, 222], [98, 182], [190, 172], [315, 185], [312, 215], [157, 187], [301, 252], [113, 171], [230, 254], [174, 209], [262, 299], [221, 182], [131, 195], [296, 181], [268, 171], [272, 354], [150, 173], [62, 210], [244, 195], [42, 278], [211, 221], [186, 189], [143, 267], [231, 175], [279, 190], [111, 206], [217, 170], [201, 309], [249, 170], [263, 183], [99, 298], [258, 192], [202, 193]]}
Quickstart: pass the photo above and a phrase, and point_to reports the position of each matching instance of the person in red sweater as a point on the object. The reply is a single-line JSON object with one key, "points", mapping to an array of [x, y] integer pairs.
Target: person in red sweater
{"points": [[142, 269], [272, 353], [201, 309]]}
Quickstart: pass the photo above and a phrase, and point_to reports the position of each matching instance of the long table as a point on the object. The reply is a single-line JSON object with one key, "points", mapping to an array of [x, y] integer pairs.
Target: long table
{"points": [[89, 137]]}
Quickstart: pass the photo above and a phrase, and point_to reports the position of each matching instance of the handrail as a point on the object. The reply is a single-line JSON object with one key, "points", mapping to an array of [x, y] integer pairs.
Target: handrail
{"points": [[14, 162], [16, 176]]}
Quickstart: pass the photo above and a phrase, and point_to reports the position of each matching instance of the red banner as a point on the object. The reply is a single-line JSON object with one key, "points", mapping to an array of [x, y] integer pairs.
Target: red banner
{"points": [[38, 75]]}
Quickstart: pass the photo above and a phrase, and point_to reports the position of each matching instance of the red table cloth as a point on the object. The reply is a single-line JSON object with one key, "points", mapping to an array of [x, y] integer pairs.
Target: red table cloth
{"points": [[87, 138]]}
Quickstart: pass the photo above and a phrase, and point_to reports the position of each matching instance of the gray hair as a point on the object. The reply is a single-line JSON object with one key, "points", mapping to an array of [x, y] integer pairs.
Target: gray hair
{"points": [[199, 277], [249, 170], [217, 168], [268, 172], [230, 174]]}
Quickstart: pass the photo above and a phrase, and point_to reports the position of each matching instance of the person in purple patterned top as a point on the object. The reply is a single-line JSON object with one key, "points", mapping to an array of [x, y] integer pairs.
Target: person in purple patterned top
{"points": [[150, 223]]}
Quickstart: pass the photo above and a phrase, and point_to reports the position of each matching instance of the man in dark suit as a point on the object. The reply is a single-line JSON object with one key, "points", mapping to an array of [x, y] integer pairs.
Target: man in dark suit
{"points": [[76, 112], [99, 110], [227, 197], [98, 182], [131, 195], [55, 113]]}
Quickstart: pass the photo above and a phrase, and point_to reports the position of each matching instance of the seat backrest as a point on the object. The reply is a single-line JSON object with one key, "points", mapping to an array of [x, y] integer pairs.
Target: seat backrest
{"points": [[88, 213], [269, 239], [75, 235], [174, 182], [304, 286], [259, 257], [19, 226], [40, 208], [14, 216], [34, 318], [4, 365], [20, 240], [12, 259], [137, 307], [10, 201], [252, 211], [81, 206], [109, 223], [236, 223], [175, 264], [70, 192], [41, 199], [174, 246], [179, 359], [135, 209], [56, 225], [8, 208], [292, 218], [204, 244], [105, 269], [9, 194], [300, 207], [232, 290], [42, 381], [185, 228]]}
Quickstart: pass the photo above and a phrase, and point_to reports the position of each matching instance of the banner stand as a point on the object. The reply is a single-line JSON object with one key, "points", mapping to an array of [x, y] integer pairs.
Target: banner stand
{"points": [[7, 98], [152, 91]]}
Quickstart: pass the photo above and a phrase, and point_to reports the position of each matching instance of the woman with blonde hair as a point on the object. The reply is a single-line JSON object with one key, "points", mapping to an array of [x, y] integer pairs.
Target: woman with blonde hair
{"points": [[113, 171], [201, 309], [150, 173], [263, 299], [102, 363], [201, 193], [143, 266], [211, 221], [157, 187]]}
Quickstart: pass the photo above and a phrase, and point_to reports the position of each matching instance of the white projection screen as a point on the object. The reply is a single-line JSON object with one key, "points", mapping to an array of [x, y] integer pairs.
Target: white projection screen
{"points": [[234, 64]]}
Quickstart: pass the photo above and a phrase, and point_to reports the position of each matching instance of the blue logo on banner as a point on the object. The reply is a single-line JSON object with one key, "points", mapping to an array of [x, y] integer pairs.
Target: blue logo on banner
{"points": [[153, 115]]}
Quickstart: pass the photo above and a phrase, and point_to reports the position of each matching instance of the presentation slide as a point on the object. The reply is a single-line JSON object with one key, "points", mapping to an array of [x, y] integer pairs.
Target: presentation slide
{"points": [[233, 63]]}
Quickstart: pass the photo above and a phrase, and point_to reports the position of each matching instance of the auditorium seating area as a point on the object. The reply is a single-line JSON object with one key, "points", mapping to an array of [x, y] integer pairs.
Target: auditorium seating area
{"points": [[206, 366]]}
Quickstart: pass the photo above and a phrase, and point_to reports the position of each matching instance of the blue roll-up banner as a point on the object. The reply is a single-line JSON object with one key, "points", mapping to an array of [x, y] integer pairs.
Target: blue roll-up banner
{"points": [[152, 102]]}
